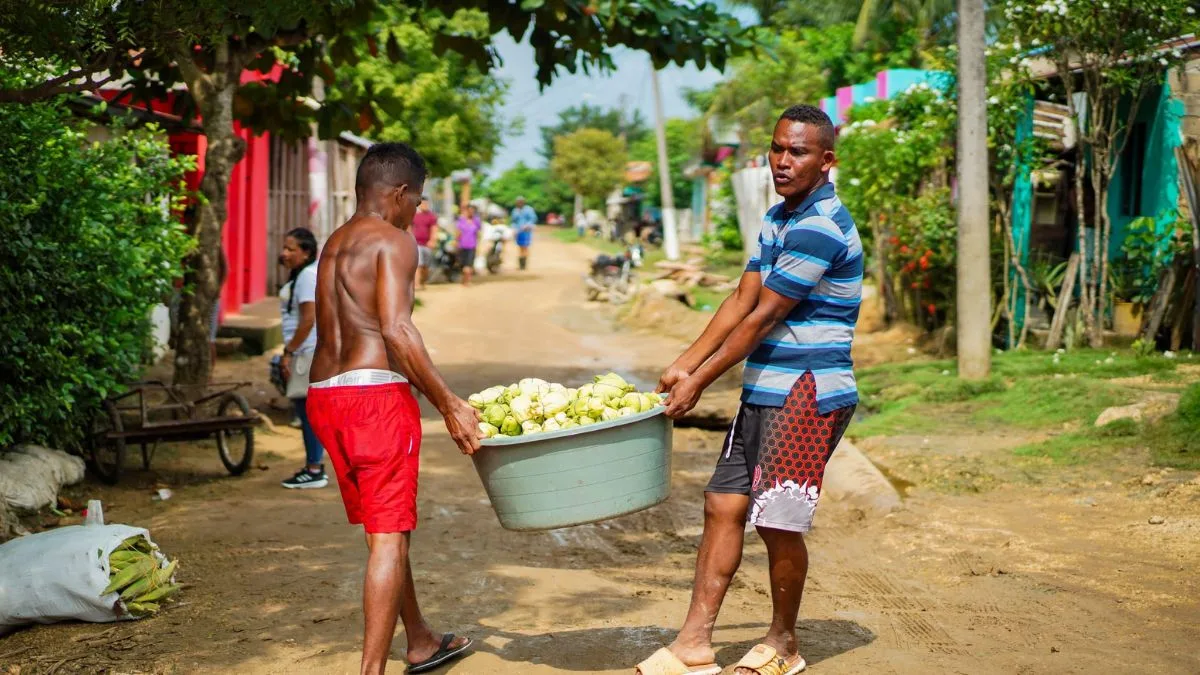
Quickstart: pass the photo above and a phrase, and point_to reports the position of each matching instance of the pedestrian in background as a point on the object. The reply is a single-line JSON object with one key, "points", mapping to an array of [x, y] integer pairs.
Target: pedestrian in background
{"points": [[524, 218], [424, 230], [468, 239], [298, 309]]}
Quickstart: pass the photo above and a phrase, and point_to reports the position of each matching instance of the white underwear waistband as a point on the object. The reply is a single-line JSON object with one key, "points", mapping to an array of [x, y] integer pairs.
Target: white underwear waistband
{"points": [[360, 377]]}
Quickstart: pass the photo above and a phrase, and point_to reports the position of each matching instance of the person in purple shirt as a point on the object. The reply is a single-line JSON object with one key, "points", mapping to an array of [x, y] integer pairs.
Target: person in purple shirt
{"points": [[468, 237]]}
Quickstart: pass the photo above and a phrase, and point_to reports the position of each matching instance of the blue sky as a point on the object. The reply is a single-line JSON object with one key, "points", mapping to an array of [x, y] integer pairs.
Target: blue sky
{"points": [[628, 84]]}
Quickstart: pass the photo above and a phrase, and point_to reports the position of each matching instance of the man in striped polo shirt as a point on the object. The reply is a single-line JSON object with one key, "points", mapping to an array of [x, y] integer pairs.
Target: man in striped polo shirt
{"points": [[792, 320]]}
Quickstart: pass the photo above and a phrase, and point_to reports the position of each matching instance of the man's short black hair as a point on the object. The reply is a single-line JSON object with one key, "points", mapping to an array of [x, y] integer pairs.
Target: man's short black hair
{"points": [[813, 116], [388, 165]]}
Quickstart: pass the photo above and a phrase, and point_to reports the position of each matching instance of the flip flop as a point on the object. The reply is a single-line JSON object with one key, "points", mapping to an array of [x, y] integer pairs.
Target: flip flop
{"points": [[443, 655], [664, 662], [764, 660]]}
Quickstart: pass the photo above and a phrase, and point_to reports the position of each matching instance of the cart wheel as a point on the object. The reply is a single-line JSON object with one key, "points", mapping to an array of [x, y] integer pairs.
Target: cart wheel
{"points": [[108, 455], [236, 462]]}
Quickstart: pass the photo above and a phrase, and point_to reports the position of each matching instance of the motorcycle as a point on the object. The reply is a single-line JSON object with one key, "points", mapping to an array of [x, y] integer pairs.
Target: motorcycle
{"points": [[496, 234], [613, 276], [445, 265]]}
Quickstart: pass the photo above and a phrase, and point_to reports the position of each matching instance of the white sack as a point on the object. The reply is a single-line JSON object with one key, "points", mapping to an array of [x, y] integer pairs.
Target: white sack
{"points": [[58, 575]]}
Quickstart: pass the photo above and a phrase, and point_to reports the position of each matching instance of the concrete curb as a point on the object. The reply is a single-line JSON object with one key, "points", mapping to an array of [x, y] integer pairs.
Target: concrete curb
{"points": [[853, 479]]}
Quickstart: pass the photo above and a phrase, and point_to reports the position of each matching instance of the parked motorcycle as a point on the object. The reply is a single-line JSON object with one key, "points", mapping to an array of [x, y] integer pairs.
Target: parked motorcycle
{"points": [[445, 265], [612, 277], [496, 234]]}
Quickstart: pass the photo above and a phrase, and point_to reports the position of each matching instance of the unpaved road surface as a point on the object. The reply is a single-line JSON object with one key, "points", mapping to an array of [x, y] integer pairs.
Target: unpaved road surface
{"points": [[1016, 579]]}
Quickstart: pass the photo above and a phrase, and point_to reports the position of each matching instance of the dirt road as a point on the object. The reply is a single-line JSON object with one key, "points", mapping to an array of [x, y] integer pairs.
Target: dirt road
{"points": [[1028, 579]]}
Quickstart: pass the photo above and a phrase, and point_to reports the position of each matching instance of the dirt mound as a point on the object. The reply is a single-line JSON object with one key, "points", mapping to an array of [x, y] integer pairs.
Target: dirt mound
{"points": [[653, 311]]}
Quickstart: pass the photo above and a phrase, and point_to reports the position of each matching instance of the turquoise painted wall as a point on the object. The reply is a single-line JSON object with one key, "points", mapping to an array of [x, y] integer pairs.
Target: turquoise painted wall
{"points": [[1022, 211], [900, 79], [1162, 114], [864, 91]]}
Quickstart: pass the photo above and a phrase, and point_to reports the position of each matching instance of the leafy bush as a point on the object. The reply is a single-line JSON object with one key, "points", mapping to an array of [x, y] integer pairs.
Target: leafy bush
{"points": [[89, 247], [953, 389], [726, 234]]}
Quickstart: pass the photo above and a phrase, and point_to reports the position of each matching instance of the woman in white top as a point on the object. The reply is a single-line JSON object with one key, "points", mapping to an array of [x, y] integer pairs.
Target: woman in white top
{"points": [[298, 308]]}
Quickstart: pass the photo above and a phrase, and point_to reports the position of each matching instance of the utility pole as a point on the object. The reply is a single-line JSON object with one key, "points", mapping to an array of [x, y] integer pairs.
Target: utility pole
{"points": [[670, 234], [974, 301]]}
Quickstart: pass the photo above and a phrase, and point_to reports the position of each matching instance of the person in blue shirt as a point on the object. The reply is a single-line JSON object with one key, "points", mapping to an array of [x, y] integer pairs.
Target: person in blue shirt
{"points": [[792, 320], [523, 220]]}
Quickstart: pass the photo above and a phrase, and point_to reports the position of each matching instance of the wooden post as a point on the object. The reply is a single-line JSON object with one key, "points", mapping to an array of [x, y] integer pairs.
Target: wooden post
{"points": [[1186, 306], [1187, 180], [1157, 308], [1065, 295]]}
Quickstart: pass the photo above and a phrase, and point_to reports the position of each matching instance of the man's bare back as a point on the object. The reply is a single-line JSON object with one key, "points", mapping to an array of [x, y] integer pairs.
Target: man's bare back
{"points": [[349, 285], [364, 316]]}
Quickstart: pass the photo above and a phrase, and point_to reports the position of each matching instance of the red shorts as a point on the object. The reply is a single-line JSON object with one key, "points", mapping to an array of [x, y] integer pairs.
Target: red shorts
{"points": [[373, 436]]}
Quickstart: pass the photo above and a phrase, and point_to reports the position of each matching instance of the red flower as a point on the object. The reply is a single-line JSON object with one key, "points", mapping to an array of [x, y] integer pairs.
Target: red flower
{"points": [[928, 284], [894, 241], [924, 264], [929, 253], [914, 285], [932, 308], [909, 267], [904, 249]]}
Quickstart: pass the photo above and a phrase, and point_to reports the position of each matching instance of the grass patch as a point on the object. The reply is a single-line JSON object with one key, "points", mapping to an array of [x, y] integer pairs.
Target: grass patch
{"points": [[1090, 362], [1172, 442], [894, 418], [1027, 390], [1034, 403], [707, 299], [726, 263], [952, 389], [1175, 441], [1074, 449]]}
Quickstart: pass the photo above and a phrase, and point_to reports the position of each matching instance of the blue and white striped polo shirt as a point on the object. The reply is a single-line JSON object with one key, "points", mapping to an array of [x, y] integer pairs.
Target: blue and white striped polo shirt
{"points": [[813, 255]]}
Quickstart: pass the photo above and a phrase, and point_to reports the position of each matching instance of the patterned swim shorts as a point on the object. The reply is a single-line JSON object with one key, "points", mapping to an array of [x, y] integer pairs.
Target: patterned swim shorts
{"points": [[777, 456]]}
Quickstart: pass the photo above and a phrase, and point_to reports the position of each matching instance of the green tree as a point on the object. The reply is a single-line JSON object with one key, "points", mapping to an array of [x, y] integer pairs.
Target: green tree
{"points": [[874, 20], [761, 86], [683, 148], [543, 192], [591, 161], [586, 116], [445, 107], [206, 45], [90, 246]]}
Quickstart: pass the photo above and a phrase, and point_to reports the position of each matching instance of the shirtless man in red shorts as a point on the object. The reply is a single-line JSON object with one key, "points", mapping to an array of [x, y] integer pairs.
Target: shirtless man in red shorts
{"points": [[360, 403]]}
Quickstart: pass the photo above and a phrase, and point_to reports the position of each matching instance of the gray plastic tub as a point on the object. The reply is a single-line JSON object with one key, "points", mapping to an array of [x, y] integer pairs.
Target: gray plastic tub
{"points": [[578, 475]]}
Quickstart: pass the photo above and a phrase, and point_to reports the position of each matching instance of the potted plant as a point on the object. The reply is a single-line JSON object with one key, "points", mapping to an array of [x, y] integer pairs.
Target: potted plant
{"points": [[1134, 277], [1126, 308]]}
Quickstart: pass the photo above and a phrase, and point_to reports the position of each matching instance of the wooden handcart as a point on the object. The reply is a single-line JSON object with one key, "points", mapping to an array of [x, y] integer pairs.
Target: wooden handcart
{"points": [[153, 411]]}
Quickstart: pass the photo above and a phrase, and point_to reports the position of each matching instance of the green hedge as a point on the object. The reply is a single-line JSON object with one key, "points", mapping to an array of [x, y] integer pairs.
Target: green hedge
{"points": [[87, 248]]}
